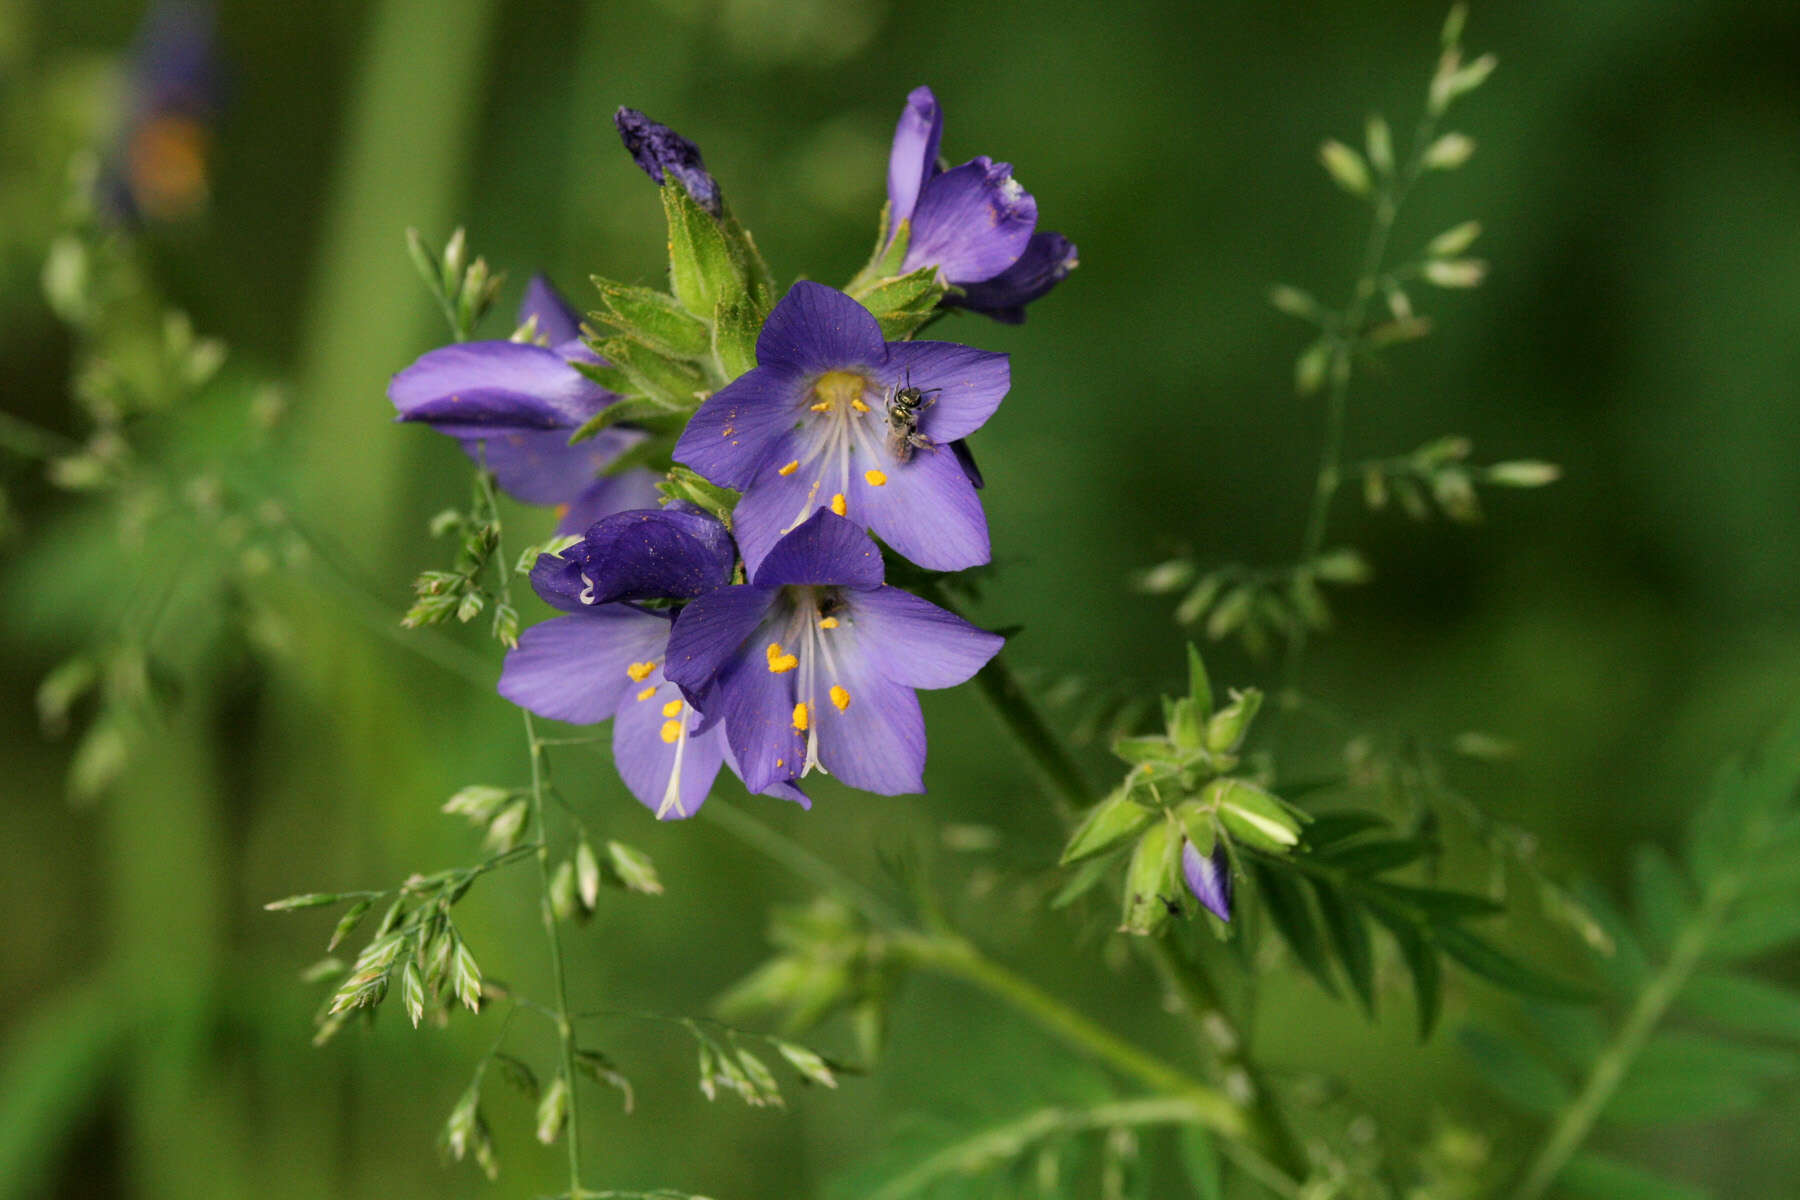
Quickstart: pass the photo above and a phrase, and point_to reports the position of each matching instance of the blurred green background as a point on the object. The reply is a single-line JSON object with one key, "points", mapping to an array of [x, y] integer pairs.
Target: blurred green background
{"points": [[1638, 179]]}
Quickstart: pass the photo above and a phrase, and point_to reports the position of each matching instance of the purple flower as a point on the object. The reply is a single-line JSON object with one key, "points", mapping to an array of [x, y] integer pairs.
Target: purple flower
{"points": [[812, 664], [158, 170], [515, 404], [973, 222], [813, 426], [606, 659], [659, 150], [1208, 877]]}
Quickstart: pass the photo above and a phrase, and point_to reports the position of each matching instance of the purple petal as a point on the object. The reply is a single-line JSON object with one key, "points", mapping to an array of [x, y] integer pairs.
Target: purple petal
{"points": [[476, 388], [781, 789], [1208, 878], [576, 668], [876, 740], [913, 160], [1047, 259], [557, 320], [757, 707], [926, 510], [652, 554], [963, 386], [708, 633], [914, 641], [965, 458], [539, 466], [669, 776], [825, 549], [658, 149], [557, 581], [729, 438], [817, 328], [972, 222], [609, 494], [773, 502]]}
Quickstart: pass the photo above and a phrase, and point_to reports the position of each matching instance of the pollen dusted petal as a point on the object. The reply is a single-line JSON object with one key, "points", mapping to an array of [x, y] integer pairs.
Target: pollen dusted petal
{"points": [[840, 697], [875, 478]]}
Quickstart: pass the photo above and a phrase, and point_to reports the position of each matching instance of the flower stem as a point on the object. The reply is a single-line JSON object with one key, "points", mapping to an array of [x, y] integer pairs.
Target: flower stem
{"points": [[565, 1027]]}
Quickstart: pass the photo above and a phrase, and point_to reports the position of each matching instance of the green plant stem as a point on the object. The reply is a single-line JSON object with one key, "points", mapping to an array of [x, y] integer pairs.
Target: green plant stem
{"points": [[565, 1027], [1577, 1120], [31, 440]]}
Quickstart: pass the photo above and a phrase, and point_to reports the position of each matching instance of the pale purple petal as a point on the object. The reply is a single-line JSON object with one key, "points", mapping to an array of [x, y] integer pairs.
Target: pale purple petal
{"points": [[708, 633], [972, 222], [965, 458], [825, 549], [557, 320], [817, 328], [609, 494], [914, 641], [1048, 258], [913, 160], [964, 386], [876, 740], [757, 707], [926, 510], [669, 777], [729, 438], [539, 466], [475, 388], [575, 668], [774, 502], [781, 789], [1209, 878]]}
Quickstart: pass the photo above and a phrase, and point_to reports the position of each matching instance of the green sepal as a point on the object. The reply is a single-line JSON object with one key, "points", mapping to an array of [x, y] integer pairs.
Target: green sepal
{"points": [[734, 333], [1200, 826], [1225, 732], [1199, 685], [1109, 822], [676, 384], [1150, 880], [652, 318], [652, 453], [1252, 815], [760, 283], [904, 295], [684, 484], [1139, 750], [632, 408], [703, 273]]}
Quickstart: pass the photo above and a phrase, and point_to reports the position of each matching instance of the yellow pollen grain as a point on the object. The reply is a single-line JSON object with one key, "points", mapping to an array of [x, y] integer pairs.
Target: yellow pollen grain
{"points": [[780, 660], [858, 404], [822, 406], [828, 623], [875, 478], [838, 505], [840, 697], [672, 709], [802, 717], [647, 692], [789, 469], [640, 671], [670, 731], [781, 762]]}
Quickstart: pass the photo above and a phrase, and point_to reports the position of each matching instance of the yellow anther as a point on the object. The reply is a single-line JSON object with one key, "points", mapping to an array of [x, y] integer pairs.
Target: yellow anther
{"points": [[647, 692], [875, 478], [856, 402], [789, 469], [640, 671], [670, 731], [840, 697], [828, 623], [838, 505], [672, 709], [802, 717], [780, 660], [822, 406]]}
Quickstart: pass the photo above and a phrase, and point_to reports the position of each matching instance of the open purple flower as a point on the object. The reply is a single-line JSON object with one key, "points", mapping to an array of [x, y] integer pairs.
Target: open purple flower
{"points": [[1208, 877], [515, 404], [158, 170], [973, 222], [812, 664], [814, 425], [606, 658], [659, 150]]}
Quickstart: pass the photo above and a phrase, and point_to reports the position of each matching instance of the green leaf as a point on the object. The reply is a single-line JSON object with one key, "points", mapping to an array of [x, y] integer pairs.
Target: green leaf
{"points": [[677, 384], [1744, 1005], [652, 318], [1372, 857], [1757, 928], [1664, 902], [1294, 918], [1590, 1174], [1421, 962], [1329, 828], [632, 408], [1200, 1162], [1086, 877], [1437, 905], [702, 271], [1488, 961], [1576, 1032], [1347, 925], [1627, 966], [1514, 1071], [1653, 1098]]}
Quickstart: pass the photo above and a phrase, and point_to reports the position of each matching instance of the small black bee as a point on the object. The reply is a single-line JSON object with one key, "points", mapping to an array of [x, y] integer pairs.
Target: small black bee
{"points": [[904, 404]]}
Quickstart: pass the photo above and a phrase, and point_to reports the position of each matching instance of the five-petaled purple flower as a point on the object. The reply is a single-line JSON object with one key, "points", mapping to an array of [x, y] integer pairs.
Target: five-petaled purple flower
{"points": [[813, 426], [1208, 877], [606, 658], [812, 664], [515, 404], [973, 222]]}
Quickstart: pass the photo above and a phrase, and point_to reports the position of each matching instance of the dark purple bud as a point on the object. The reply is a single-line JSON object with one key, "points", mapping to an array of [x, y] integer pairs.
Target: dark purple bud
{"points": [[653, 554], [659, 149], [1209, 878], [1047, 259]]}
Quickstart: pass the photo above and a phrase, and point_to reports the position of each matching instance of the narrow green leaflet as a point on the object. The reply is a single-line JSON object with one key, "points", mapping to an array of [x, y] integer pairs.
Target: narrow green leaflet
{"points": [[1514, 1071], [1603, 1178]]}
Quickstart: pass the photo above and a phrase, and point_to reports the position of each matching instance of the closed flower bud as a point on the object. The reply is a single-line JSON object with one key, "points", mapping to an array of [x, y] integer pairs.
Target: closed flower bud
{"points": [[1252, 815], [1108, 823], [1225, 732]]}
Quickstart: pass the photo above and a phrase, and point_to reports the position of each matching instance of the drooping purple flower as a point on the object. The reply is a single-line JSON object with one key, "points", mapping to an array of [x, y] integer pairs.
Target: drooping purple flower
{"points": [[1208, 877], [514, 405], [973, 222], [158, 170], [605, 659], [659, 150], [812, 664], [812, 427]]}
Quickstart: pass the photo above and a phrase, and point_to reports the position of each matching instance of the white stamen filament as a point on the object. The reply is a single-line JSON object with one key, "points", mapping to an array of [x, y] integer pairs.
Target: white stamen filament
{"points": [[587, 593], [833, 447], [671, 800]]}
